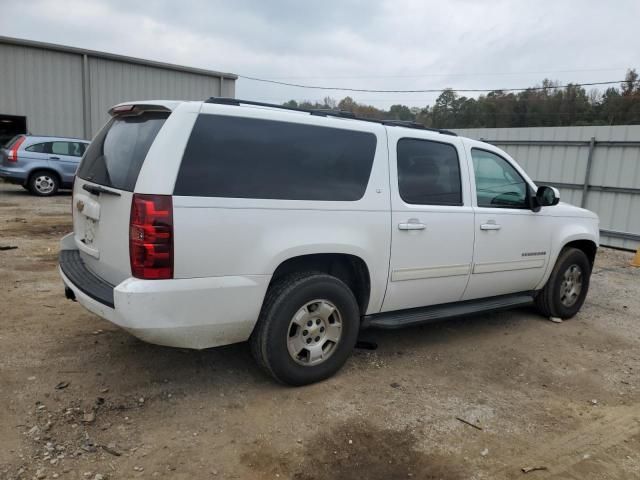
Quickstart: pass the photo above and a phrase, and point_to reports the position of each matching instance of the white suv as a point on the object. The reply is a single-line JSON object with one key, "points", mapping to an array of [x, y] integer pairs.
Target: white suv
{"points": [[198, 224]]}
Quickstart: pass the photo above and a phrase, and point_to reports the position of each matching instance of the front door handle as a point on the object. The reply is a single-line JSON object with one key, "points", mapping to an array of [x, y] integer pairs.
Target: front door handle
{"points": [[412, 226], [490, 226], [54, 158]]}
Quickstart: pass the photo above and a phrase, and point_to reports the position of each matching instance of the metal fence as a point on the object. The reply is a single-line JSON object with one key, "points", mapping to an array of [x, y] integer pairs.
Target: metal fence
{"points": [[594, 167]]}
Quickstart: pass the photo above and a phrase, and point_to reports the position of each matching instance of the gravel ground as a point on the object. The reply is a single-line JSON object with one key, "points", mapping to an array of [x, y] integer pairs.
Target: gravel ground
{"points": [[82, 399]]}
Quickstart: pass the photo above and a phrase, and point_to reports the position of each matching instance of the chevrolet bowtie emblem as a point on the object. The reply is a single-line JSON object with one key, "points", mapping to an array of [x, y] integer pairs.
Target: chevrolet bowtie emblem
{"points": [[80, 205]]}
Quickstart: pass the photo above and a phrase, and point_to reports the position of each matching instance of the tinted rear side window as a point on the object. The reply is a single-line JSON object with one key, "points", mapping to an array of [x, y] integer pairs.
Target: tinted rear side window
{"points": [[39, 148], [115, 156], [428, 173], [252, 158]]}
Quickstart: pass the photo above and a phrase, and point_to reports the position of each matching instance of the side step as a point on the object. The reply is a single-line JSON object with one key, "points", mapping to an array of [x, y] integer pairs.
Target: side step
{"points": [[418, 316]]}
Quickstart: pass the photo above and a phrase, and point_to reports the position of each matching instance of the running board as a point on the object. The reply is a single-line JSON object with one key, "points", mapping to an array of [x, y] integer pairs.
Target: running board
{"points": [[418, 316]]}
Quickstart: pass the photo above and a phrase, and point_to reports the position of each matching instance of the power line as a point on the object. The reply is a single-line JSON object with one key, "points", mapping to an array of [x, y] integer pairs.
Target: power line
{"points": [[621, 98], [427, 90], [462, 74]]}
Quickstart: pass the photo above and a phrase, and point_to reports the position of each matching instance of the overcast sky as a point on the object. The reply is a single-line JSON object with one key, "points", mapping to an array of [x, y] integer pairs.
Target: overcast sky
{"points": [[386, 44]]}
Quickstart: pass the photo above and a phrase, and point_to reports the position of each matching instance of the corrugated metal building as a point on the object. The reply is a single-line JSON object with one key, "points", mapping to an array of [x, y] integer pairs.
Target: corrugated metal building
{"points": [[51, 89]]}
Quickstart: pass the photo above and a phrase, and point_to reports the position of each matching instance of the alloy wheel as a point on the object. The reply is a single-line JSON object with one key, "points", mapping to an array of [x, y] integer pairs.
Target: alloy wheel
{"points": [[571, 285], [44, 184], [314, 332]]}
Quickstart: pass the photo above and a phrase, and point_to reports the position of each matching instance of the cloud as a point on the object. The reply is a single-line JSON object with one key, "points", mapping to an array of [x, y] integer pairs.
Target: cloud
{"points": [[387, 44]]}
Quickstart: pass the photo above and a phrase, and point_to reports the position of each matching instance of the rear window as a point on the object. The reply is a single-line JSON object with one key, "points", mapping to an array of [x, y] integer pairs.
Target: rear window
{"points": [[115, 156], [252, 158], [10, 143]]}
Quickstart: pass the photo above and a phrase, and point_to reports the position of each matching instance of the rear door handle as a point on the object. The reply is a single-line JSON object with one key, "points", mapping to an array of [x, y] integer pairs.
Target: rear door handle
{"points": [[490, 226], [54, 158], [412, 226]]}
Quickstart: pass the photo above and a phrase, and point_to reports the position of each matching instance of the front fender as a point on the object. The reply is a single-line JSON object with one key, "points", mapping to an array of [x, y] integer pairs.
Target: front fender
{"points": [[566, 232]]}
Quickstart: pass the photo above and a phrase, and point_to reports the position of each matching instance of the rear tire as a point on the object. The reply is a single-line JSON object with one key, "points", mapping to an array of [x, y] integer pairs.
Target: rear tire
{"points": [[567, 287], [307, 328], [43, 183]]}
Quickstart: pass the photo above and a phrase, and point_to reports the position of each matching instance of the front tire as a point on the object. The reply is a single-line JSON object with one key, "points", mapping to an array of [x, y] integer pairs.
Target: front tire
{"points": [[567, 287], [43, 183], [307, 328]]}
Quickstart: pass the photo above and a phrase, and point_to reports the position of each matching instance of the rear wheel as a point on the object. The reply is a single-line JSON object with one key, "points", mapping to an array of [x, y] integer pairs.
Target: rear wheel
{"points": [[567, 287], [307, 328], [43, 183]]}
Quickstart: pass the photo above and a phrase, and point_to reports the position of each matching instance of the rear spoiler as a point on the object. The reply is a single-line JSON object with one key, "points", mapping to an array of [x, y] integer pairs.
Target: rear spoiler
{"points": [[135, 108]]}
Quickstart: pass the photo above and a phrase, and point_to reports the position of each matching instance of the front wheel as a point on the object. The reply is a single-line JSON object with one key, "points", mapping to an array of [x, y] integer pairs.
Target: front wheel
{"points": [[307, 328], [567, 287]]}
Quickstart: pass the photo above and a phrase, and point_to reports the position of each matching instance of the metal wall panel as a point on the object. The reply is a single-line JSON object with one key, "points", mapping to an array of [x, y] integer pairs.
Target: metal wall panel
{"points": [[228, 88], [67, 91], [45, 87], [559, 161], [113, 82]]}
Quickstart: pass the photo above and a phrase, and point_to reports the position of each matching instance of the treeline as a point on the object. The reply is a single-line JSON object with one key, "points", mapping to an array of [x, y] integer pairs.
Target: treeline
{"points": [[543, 105]]}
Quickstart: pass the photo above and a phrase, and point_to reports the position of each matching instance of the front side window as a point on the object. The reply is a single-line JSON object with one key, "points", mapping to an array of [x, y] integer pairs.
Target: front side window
{"points": [[498, 184], [428, 172], [238, 157], [76, 149]]}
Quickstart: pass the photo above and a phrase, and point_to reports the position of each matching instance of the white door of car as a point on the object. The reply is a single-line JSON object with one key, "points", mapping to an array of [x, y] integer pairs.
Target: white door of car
{"points": [[432, 220], [512, 242]]}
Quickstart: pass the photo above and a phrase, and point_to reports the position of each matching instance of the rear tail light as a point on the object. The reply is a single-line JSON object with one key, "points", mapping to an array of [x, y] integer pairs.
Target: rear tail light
{"points": [[13, 151], [151, 237]]}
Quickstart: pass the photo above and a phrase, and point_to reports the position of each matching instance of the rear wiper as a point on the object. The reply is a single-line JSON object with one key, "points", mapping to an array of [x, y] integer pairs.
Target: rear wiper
{"points": [[97, 190]]}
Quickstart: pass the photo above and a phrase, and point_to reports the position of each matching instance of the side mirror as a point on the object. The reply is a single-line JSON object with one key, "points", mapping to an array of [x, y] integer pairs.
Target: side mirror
{"points": [[547, 196]]}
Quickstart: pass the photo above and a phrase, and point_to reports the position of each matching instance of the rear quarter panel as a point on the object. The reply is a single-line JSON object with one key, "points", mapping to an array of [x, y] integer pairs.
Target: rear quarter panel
{"points": [[29, 162]]}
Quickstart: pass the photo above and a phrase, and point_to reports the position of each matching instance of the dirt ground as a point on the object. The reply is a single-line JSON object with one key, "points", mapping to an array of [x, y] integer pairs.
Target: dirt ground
{"points": [[82, 399]]}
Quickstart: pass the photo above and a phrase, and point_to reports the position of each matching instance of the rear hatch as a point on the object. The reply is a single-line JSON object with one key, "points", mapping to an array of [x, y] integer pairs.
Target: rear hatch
{"points": [[104, 185], [6, 148]]}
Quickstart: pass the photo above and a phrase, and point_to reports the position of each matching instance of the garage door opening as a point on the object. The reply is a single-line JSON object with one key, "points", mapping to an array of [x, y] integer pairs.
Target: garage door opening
{"points": [[10, 126]]}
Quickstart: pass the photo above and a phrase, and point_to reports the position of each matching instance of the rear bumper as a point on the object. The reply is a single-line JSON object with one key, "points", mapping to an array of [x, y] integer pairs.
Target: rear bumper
{"points": [[75, 271], [188, 313], [13, 175]]}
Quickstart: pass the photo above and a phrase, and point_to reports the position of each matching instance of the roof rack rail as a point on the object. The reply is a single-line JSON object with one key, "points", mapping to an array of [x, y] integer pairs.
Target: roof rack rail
{"points": [[321, 112], [442, 131], [412, 124], [403, 123], [325, 112]]}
